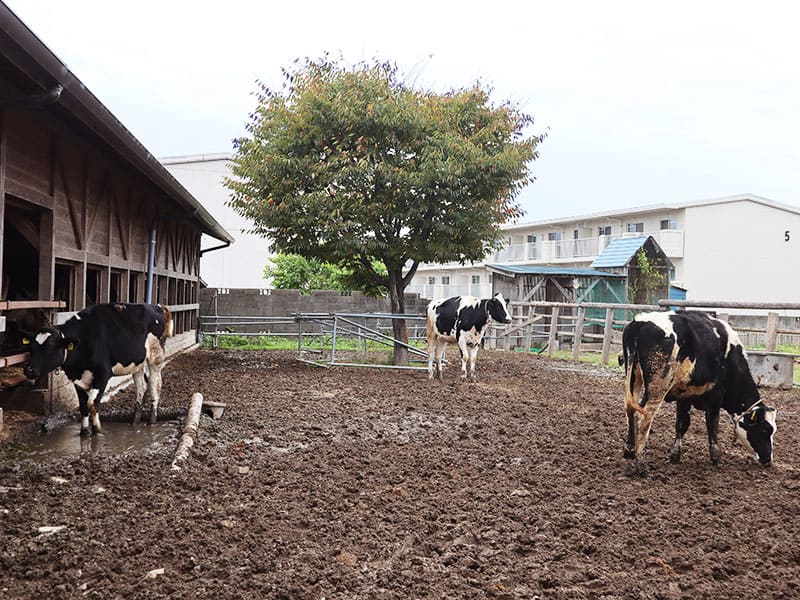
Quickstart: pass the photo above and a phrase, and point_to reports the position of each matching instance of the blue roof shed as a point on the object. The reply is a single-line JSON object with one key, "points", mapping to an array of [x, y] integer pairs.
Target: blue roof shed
{"points": [[621, 251]]}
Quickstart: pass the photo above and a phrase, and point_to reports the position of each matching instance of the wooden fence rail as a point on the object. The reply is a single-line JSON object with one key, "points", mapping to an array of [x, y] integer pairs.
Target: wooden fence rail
{"points": [[551, 324]]}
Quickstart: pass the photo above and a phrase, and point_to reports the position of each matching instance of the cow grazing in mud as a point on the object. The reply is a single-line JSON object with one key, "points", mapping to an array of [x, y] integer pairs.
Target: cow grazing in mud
{"points": [[694, 360], [461, 319], [101, 341]]}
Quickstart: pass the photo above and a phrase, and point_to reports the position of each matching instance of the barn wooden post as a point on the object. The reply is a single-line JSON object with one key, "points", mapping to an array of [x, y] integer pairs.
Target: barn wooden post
{"points": [[607, 330], [2, 190], [771, 342], [576, 341], [47, 263], [551, 340], [80, 286]]}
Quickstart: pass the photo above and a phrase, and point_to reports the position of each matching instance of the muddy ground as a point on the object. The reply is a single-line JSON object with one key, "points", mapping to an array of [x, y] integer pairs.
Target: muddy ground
{"points": [[366, 483]]}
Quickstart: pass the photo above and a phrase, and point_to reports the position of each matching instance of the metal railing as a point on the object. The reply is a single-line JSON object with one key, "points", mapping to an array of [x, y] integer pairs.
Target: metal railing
{"points": [[319, 333], [586, 248]]}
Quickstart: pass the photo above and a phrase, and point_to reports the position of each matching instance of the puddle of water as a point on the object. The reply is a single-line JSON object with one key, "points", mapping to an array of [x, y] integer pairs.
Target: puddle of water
{"points": [[116, 438]]}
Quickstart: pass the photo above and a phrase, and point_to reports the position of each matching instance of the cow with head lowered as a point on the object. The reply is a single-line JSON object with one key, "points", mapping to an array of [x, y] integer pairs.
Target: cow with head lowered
{"points": [[99, 342], [694, 360], [463, 320]]}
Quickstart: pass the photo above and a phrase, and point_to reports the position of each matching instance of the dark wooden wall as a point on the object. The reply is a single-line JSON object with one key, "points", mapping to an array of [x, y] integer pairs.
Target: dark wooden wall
{"points": [[76, 220]]}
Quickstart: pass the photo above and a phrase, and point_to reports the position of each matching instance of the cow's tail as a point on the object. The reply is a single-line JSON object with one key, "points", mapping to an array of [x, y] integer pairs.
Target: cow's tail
{"points": [[633, 373], [168, 323]]}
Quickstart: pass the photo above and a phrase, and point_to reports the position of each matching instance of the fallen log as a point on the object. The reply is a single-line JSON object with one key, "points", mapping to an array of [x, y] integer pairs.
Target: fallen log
{"points": [[190, 428]]}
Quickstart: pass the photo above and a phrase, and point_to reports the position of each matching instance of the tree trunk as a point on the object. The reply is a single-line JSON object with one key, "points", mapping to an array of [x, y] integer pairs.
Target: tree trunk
{"points": [[397, 299]]}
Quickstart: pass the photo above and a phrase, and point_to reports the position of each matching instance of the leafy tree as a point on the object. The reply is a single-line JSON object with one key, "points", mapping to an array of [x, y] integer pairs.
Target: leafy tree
{"points": [[647, 280], [295, 272], [353, 166]]}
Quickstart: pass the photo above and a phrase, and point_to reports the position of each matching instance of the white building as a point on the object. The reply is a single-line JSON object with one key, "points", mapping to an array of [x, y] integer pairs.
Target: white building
{"points": [[240, 265], [740, 248]]}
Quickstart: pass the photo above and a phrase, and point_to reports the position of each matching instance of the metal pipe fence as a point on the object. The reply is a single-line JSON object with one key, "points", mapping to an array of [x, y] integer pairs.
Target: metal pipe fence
{"points": [[535, 327], [319, 333]]}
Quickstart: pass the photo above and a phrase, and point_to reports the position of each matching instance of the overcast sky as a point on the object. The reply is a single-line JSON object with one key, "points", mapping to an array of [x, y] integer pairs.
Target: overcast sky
{"points": [[644, 102]]}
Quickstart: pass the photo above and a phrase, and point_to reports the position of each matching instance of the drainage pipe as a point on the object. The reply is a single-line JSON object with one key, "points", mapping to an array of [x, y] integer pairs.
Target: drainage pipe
{"points": [[151, 264], [189, 430]]}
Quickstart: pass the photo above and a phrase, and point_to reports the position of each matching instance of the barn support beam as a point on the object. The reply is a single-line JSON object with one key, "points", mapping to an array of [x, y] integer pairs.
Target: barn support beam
{"points": [[47, 263], [3, 158]]}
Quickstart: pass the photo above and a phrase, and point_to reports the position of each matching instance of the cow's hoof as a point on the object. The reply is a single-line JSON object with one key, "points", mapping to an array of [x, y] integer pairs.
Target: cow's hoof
{"points": [[137, 417], [628, 453], [675, 457], [640, 468], [714, 455], [153, 418], [85, 432]]}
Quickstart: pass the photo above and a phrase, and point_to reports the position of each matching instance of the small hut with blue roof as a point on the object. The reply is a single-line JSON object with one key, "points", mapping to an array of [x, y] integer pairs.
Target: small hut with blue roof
{"points": [[643, 263]]}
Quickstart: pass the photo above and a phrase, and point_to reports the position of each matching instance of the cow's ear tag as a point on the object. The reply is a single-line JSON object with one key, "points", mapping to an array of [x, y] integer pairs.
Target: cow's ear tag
{"points": [[71, 346], [753, 415], [25, 341]]}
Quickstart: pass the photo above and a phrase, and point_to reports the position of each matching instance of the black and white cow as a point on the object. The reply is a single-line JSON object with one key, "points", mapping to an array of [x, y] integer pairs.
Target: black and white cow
{"points": [[99, 342], [696, 361], [461, 319]]}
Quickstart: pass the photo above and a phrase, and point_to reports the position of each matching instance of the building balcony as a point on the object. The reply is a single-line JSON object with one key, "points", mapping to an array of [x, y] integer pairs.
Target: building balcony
{"points": [[581, 249], [438, 290]]}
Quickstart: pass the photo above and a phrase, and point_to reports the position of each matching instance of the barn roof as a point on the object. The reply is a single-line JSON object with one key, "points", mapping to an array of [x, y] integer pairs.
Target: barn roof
{"points": [[45, 72], [552, 271], [619, 252]]}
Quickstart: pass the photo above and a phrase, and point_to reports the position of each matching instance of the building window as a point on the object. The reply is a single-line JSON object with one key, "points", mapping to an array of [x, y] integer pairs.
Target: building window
{"points": [[533, 250], [672, 273], [445, 280], [476, 280], [431, 280], [669, 224], [635, 227], [554, 236], [605, 230]]}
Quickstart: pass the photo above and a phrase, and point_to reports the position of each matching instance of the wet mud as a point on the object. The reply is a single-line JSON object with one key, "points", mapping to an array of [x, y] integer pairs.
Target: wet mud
{"points": [[367, 483]]}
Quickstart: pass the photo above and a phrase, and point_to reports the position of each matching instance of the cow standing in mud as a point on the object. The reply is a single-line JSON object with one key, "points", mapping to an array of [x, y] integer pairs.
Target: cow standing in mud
{"points": [[697, 361], [464, 320], [99, 342]]}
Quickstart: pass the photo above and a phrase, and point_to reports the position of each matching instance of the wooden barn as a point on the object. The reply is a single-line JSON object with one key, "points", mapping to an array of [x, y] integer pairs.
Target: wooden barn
{"points": [[87, 214]]}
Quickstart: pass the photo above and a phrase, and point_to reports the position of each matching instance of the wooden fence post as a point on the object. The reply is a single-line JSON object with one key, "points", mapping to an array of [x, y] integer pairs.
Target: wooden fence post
{"points": [[771, 342], [607, 330], [529, 332], [551, 339], [576, 341]]}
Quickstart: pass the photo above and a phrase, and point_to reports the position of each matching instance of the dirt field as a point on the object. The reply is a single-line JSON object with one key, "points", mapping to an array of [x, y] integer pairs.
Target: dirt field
{"points": [[365, 483]]}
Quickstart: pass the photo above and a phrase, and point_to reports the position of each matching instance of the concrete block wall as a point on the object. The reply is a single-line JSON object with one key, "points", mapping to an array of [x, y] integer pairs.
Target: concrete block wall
{"points": [[287, 303]]}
